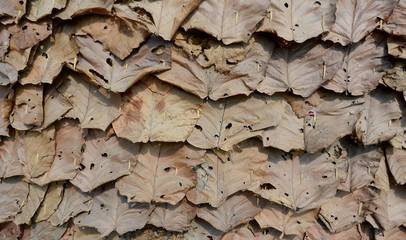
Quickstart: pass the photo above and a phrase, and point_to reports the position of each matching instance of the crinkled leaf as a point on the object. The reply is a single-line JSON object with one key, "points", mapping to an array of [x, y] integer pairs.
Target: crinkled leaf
{"points": [[76, 8], [395, 24], [331, 120], [381, 180], [381, 118], [5, 41], [354, 19], [397, 166], [302, 182], [397, 46], [8, 74], [299, 20], [318, 232], [18, 58], [50, 57], [35, 197], [346, 209], [151, 115], [27, 34], [108, 71], [163, 173], [13, 195], [301, 68], [51, 201], [217, 179], [229, 21], [237, 209], [94, 107], [110, 31], [225, 123], [43, 230], [11, 157], [243, 77], [74, 202], [110, 211], [37, 9], [104, 160], [202, 230], [167, 15], [6, 105], [12, 10], [393, 234], [9, 231], [285, 220], [395, 77], [363, 66], [28, 110], [173, 217]]}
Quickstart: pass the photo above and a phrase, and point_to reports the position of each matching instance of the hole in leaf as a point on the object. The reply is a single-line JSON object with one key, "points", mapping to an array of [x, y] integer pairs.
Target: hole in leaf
{"points": [[286, 5], [198, 127], [229, 126], [167, 169], [104, 154], [91, 166], [317, 4], [266, 186], [24, 27], [210, 168]]}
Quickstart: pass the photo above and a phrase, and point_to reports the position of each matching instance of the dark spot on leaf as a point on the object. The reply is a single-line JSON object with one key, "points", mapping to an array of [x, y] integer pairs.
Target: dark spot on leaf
{"points": [[24, 27], [324, 176], [109, 61], [266, 186], [180, 184], [287, 194], [210, 168], [105, 27], [91, 166], [229, 126], [104, 154], [286, 5], [167, 169], [198, 127], [298, 222]]}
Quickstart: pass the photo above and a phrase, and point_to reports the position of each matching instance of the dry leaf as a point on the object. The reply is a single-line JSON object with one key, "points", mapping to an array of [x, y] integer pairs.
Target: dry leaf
{"points": [[37, 9], [43, 230], [12, 10], [50, 203], [35, 197], [202, 230], [11, 157], [26, 34], [13, 196], [8, 74], [76, 8], [9, 231], [395, 23], [397, 166], [28, 110], [6, 105]]}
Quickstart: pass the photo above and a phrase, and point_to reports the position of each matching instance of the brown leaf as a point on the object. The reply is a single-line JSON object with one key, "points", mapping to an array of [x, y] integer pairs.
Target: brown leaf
{"points": [[11, 157], [18, 59], [346, 210], [226, 20], [354, 19], [317, 232], [73, 203], [381, 118], [27, 34], [330, 121], [389, 208], [302, 182], [202, 230], [150, 115], [94, 107], [13, 192], [50, 203], [167, 15], [28, 110], [76, 8], [397, 166], [110, 212], [35, 197], [397, 46], [104, 160], [393, 234], [9, 231], [395, 77], [237, 209], [43, 230], [285, 220], [225, 123], [130, 16], [243, 77], [299, 21], [8, 74], [395, 23], [381, 176], [216, 180], [173, 217], [163, 173], [116, 75], [50, 57], [109, 31], [302, 68], [5, 41], [12, 10], [6, 105], [37, 9]]}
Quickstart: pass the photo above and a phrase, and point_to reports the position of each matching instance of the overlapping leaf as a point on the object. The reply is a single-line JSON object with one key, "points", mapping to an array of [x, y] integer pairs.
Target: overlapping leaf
{"points": [[8, 74], [397, 166], [6, 105], [13, 195], [28, 110], [35, 197], [27, 34], [397, 46], [12, 10], [37, 9], [11, 158], [51, 202], [76, 8], [395, 23]]}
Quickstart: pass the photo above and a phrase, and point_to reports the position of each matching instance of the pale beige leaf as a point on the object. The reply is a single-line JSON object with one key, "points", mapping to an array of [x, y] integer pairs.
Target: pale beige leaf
{"points": [[202, 230], [397, 46], [50, 56], [26, 34], [225, 123], [94, 107], [74, 202], [69, 142], [74, 232], [243, 77], [173, 217], [149, 115], [39, 149], [318, 232], [354, 19], [302, 182], [50, 203], [13, 196], [43, 230], [18, 58], [6, 105], [167, 15], [5, 41], [12, 10], [35, 197], [330, 121], [252, 231], [216, 180], [395, 77], [381, 176], [8, 74], [381, 118], [237, 209], [301, 68], [76, 8], [113, 74], [393, 234], [37, 9], [11, 157], [110, 212], [346, 210], [363, 66], [299, 20], [28, 110], [110, 31], [104, 160], [395, 24], [397, 166], [389, 208], [229, 21], [163, 174], [285, 220]]}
